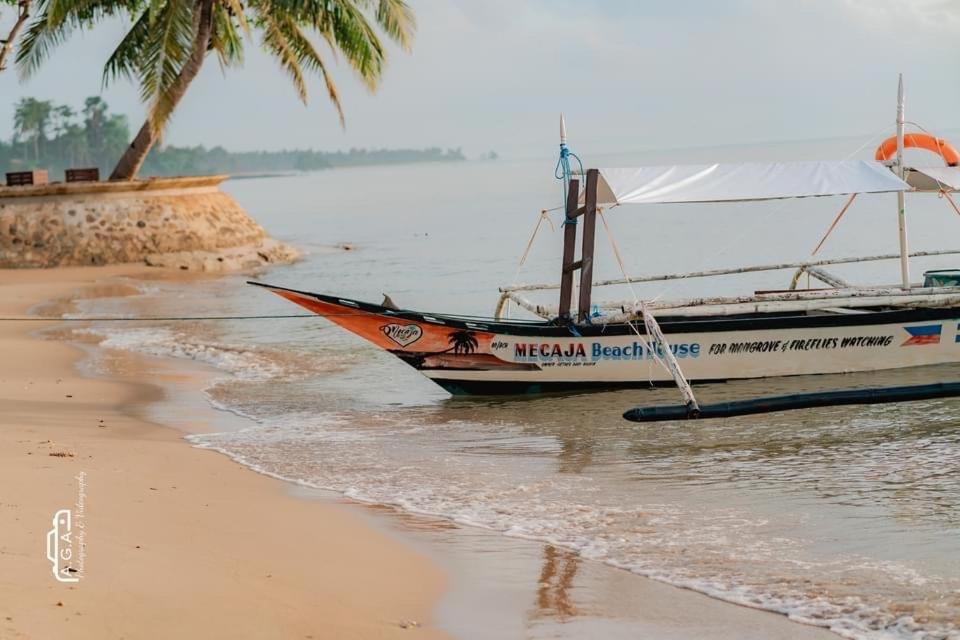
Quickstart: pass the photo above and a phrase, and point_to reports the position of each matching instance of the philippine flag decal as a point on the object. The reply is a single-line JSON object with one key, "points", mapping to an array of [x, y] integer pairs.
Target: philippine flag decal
{"points": [[926, 334]]}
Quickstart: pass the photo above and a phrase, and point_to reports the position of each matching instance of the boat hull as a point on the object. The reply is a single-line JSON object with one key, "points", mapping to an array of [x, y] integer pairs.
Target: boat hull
{"points": [[474, 356]]}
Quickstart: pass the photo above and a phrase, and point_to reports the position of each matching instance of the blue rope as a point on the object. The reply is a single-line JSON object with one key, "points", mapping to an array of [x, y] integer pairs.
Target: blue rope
{"points": [[562, 172]]}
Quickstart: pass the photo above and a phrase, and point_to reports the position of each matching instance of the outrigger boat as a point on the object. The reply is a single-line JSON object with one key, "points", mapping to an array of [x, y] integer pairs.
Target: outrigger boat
{"points": [[835, 328]]}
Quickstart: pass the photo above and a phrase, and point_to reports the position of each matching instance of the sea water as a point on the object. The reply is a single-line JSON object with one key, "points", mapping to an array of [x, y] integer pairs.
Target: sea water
{"points": [[845, 517]]}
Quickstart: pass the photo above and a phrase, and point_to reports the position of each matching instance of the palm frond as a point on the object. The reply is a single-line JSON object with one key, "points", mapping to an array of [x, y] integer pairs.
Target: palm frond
{"points": [[81, 11], [38, 41], [166, 49], [154, 10], [225, 39], [235, 8], [56, 20], [342, 23], [396, 19], [311, 60], [125, 59], [59, 11], [276, 42], [346, 29]]}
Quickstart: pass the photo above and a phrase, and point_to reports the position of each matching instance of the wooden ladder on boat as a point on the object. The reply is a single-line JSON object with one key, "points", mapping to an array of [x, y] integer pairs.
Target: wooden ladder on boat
{"points": [[585, 263]]}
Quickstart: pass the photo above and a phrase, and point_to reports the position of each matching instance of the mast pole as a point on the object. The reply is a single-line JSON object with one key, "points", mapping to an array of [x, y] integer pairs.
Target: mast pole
{"points": [[564, 164], [901, 198], [568, 265], [571, 193], [587, 250]]}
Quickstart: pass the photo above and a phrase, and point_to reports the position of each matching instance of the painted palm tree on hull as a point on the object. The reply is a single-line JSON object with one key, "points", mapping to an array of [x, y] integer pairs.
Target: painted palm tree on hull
{"points": [[462, 342], [168, 41]]}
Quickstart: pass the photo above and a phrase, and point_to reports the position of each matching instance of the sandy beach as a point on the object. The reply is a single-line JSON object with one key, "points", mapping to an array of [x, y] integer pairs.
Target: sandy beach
{"points": [[179, 542], [483, 320]]}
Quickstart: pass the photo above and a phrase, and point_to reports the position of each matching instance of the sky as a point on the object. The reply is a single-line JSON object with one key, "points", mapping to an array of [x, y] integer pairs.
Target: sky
{"points": [[496, 74]]}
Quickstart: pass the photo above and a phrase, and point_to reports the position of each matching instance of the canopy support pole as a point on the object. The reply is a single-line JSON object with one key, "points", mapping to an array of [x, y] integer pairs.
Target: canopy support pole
{"points": [[901, 200], [587, 252], [569, 246]]}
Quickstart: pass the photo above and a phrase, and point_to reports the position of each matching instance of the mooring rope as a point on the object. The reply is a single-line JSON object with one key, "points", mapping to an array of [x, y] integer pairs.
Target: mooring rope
{"points": [[544, 215], [562, 170], [946, 194], [833, 225], [169, 318], [459, 316], [668, 361]]}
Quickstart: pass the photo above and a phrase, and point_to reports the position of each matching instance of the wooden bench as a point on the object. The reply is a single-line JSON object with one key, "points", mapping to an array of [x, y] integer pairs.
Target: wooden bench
{"points": [[23, 178], [83, 175]]}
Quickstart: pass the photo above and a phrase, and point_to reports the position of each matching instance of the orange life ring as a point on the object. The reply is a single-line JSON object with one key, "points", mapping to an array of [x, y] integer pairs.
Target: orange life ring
{"points": [[888, 149]]}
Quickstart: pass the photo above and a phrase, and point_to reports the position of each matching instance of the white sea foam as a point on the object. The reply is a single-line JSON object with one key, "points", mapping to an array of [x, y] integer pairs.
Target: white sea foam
{"points": [[723, 552], [504, 477], [236, 360]]}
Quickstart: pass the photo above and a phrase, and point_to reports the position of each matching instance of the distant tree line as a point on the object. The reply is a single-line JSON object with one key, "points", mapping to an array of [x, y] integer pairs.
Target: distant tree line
{"points": [[56, 137]]}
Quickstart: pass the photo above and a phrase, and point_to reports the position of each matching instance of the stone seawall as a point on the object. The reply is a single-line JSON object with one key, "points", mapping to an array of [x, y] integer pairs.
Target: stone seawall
{"points": [[177, 222]]}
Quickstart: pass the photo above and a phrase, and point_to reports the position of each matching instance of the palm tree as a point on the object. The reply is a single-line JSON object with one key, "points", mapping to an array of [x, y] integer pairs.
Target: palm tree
{"points": [[31, 118], [94, 115], [169, 40], [75, 147], [63, 115]]}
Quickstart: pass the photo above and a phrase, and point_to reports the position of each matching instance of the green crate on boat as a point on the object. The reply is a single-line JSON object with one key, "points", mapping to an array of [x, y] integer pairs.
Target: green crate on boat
{"points": [[942, 278]]}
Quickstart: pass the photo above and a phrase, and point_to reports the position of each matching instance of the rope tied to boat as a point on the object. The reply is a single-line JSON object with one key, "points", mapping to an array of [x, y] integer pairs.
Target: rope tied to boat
{"points": [[544, 215], [664, 357], [833, 225], [168, 318], [946, 194], [562, 170]]}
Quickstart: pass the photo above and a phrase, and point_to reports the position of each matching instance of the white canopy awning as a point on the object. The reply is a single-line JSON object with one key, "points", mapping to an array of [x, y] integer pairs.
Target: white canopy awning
{"points": [[745, 181], [934, 178]]}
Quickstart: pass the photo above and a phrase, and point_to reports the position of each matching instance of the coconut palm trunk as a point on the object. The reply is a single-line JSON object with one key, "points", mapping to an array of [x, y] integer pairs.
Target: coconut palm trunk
{"points": [[168, 40], [132, 160], [6, 46]]}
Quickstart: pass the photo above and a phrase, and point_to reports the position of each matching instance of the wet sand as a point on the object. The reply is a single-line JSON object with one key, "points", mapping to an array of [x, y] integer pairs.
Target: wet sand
{"points": [[182, 542], [179, 542]]}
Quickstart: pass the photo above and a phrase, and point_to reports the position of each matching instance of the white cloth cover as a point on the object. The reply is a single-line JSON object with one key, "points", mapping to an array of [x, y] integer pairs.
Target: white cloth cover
{"points": [[934, 178], [746, 181]]}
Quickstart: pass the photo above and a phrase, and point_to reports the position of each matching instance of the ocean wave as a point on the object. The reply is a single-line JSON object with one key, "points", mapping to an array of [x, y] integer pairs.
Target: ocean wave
{"points": [[505, 477], [239, 361], [723, 552]]}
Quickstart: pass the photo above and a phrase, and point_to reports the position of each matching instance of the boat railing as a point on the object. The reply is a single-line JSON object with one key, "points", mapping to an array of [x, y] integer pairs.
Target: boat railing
{"points": [[789, 300]]}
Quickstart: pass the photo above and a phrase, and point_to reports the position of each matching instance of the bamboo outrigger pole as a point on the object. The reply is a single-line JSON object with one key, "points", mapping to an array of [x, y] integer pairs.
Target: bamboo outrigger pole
{"points": [[901, 200]]}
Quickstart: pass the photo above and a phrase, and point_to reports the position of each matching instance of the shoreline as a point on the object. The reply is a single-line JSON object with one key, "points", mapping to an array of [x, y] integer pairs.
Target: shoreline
{"points": [[178, 542], [469, 582]]}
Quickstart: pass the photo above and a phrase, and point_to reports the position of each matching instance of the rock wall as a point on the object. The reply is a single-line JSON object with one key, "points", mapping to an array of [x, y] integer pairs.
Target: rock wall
{"points": [[161, 221]]}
